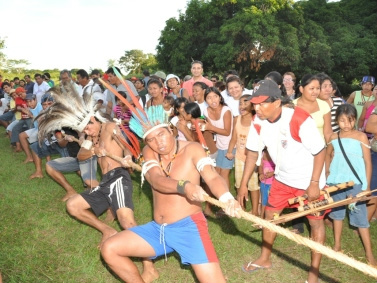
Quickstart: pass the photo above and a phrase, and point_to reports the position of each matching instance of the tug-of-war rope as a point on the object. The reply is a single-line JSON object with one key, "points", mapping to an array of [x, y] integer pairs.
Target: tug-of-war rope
{"points": [[365, 268]]}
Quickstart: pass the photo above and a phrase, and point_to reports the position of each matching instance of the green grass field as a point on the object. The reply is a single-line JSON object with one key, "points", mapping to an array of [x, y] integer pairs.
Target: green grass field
{"points": [[40, 242]]}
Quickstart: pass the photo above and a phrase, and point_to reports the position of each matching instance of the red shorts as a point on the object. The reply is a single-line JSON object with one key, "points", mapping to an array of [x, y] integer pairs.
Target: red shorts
{"points": [[280, 194]]}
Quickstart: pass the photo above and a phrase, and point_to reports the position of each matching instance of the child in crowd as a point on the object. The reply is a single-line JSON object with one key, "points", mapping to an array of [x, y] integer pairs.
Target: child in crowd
{"points": [[17, 114], [31, 135], [340, 167], [178, 123], [24, 122], [266, 176], [198, 90], [168, 104], [240, 132], [121, 111], [190, 114]]}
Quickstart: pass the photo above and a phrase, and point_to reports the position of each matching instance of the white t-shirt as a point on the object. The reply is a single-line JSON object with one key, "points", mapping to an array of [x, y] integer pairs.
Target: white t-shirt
{"points": [[40, 90], [203, 106], [234, 105], [293, 159]]}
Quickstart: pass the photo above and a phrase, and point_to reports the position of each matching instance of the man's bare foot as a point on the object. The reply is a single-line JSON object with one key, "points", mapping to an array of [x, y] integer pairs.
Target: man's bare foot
{"points": [[150, 275], [337, 249], [109, 217], [68, 195], [28, 160], [17, 150], [36, 175], [107, 234]]}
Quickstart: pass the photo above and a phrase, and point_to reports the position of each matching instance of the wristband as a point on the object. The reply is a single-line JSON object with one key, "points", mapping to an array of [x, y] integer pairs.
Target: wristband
{"points": [[225, 197], [312, 181], [181, 186]]}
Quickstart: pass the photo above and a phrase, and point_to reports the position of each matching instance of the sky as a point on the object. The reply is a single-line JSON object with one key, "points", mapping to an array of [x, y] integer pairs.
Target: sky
{"points": [[67, 34]]}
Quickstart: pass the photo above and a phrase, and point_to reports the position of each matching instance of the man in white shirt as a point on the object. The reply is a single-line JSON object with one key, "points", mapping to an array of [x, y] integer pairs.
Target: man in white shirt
{"points": [[88, 86], [66, 78], [40, 87], [297, 149]]}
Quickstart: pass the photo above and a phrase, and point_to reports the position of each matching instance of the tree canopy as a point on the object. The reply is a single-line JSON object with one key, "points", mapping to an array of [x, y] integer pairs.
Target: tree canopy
{"points": [[11, 65], [255, 37]]}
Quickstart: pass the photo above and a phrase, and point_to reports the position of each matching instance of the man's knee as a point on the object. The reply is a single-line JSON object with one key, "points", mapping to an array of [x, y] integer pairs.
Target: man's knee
{"points": [[49, 169], [74, 206], [126, 217], [316, 224], [108, 250]]}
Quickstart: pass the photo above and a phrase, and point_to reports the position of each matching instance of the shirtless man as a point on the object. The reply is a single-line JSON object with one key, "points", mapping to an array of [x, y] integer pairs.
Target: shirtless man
{"points": [[115, 189], [173, 169]]}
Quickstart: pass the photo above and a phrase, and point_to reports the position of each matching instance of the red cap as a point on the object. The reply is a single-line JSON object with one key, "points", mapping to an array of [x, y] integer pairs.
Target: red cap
{"points": [[134, 79], [105, 77], [259, 99], [20, 89]]}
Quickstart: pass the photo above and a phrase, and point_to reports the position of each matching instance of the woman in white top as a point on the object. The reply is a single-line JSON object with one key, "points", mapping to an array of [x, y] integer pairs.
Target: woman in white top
{"points": [[220, 122], [235, 88]]}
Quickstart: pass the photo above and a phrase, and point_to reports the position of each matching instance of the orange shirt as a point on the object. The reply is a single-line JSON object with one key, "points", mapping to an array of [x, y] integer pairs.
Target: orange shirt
{"points": [[189, 84]]}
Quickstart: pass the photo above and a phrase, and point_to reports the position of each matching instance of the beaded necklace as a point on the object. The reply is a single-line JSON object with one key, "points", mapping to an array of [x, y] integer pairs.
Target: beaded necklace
{"points": [[168, 167]]}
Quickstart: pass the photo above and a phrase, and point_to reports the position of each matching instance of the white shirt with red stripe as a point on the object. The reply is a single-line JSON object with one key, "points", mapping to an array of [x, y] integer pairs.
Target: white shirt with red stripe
{"points": [[292, 142]]}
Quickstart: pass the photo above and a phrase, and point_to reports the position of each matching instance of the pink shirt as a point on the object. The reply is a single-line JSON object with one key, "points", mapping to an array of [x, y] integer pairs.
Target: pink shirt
{"points": [[189, 84]]}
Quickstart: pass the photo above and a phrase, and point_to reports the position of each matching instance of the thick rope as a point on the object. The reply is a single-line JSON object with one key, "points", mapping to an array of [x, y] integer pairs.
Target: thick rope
{"points": [[365, 268]]}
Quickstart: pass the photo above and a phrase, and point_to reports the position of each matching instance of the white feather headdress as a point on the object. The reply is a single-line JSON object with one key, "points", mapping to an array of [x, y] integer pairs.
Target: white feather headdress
{"points": [[69, 110]]}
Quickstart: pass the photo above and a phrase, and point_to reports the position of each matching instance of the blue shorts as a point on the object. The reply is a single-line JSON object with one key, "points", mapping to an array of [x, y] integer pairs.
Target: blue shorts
{"points": [[189, 237], [373, 181], [265, 191], [87, 168], [222, 161], [358, 216]]}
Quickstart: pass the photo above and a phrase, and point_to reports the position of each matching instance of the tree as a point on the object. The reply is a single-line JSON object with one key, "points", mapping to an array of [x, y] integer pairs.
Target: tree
{"points": [[11, 65], [135, 61]]}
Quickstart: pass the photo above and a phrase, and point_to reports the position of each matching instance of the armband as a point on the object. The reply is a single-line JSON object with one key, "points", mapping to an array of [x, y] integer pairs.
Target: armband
{"points": [[225, 197], [181, 186]]}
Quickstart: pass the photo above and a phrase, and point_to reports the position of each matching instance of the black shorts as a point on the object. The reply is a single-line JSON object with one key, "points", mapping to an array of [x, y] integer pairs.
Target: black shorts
{"points": [[115, 191]]}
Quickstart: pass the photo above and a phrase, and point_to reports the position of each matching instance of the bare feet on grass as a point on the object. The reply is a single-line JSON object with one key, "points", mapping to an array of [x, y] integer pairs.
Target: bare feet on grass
{"points": [[109, 217], [150, 275], [28, 160], [36, 175]]}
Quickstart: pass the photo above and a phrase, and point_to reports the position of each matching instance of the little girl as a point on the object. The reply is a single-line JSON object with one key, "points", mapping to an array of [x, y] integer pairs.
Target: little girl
{"points": [[121, 111], [357, 149], [168, 104], [241, 129], [266, 176], [178, 122]]}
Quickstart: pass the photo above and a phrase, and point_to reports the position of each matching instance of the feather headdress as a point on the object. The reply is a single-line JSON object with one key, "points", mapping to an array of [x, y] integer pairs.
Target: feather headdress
{"points": [[69, 110], [156, 118], [142, 123]]}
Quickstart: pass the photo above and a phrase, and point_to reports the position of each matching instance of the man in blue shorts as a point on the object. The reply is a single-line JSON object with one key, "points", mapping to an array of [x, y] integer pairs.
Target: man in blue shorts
{"points": [[173, 168]]}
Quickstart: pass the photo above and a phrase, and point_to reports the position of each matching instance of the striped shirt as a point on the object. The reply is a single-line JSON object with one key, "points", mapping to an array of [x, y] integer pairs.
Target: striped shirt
{"points": [[337, 101]]}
